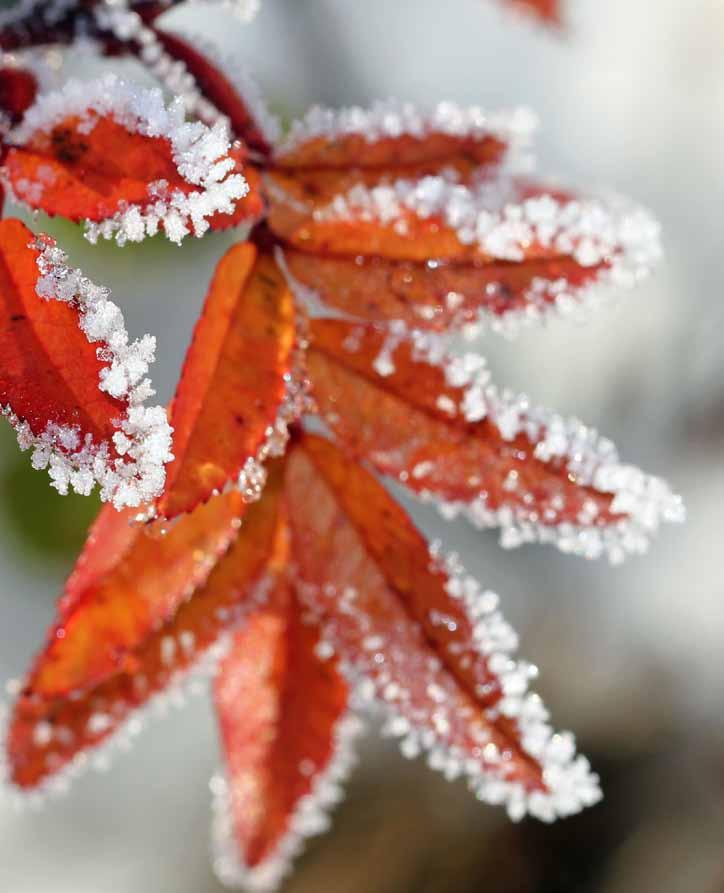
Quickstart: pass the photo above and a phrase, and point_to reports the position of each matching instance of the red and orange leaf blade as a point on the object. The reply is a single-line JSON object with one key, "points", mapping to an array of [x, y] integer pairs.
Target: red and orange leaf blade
{"points": [[425, 641], [448, 435], [386, 610], [437, 297], [411, 424], [48, 731], [281, 712], [234, 381], [114, 156], [126, 586], [394, 135], [49, 371]]}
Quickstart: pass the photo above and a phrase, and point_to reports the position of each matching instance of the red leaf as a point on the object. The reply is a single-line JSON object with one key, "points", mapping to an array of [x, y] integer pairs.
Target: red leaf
{"points": [[506, 464], [445, 248], [49, 730], [430, 645], [116, 158], [441, 296], [18, 89], [229, 408], [83, 415], [220, 88], [396, 135], [136, 582], [281, 714]]}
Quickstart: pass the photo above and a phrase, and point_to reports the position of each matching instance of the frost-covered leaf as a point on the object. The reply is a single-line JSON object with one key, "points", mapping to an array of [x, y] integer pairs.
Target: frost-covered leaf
{"points": [[50, 730], [118, 158], [441, 250], [395, 135], [129, 580], [439, 426], [429, 643], [285, 734], [71, 384], [236, 393], [442, 297]]}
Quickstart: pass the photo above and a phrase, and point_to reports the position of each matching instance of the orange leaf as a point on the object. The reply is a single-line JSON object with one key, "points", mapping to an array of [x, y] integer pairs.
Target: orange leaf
{"points": [[506, 464], [281, 715], [49, 370], [118, 159], [439, 296], [228, 412], [49, 728], [136, 587], [395, 135], [70, 382], [429, 644]]}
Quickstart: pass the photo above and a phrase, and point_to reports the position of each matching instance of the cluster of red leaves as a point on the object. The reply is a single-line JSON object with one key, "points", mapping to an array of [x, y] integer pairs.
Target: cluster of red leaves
{"points": [[324, 580]]}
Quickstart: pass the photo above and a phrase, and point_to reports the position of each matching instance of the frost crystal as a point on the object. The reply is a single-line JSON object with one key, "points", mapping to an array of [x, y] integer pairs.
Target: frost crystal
{"points": [[590, 459], [308, 819], [424, 726], [503, 224], [130, 471], [199, 152]]}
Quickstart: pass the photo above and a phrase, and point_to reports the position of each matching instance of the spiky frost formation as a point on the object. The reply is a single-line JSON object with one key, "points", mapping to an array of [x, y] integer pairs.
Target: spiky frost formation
{"points": [[199, 152], [570, 784], [390, 118], [593, 460], [142, 445], [309, 818]]}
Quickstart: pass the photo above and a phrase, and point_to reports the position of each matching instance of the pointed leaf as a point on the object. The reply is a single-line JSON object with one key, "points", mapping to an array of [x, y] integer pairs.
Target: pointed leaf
{"points": [[50, 729], [391, 134], [105, 615], [281, 712], [440, 296], [444, 432], [70, 383], [234, 398], [428, 643], [116, 157], [451, 248]]}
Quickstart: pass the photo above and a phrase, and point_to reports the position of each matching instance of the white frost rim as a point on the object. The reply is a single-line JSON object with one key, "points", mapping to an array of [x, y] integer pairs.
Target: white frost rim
{"points": [[200, 153], [142, 444], [393, 119], [571, 784]]}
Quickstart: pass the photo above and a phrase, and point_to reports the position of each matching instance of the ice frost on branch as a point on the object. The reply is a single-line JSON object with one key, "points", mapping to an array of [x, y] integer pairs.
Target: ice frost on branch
{"points": [[130, 472], [200, 154]]}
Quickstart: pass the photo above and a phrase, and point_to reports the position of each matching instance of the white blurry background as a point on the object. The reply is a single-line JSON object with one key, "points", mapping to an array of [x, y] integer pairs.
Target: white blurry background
{"points": [[630, 96]]}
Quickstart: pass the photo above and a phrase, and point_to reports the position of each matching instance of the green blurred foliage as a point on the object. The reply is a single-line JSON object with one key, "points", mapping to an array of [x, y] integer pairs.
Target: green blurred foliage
{"points": [[40, 522]]}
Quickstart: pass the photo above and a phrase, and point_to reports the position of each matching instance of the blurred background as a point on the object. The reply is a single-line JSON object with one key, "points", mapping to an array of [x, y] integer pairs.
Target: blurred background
{"points": [[630, 96]]}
